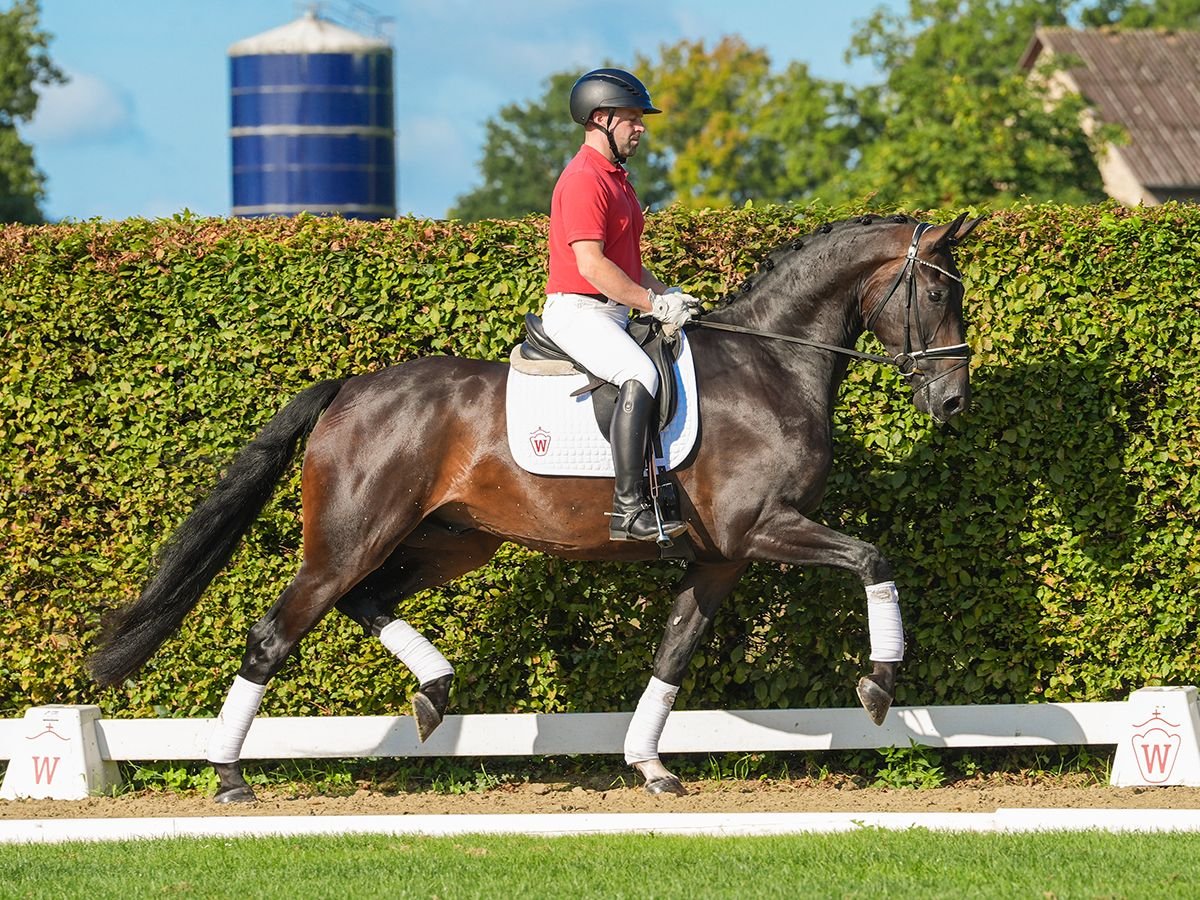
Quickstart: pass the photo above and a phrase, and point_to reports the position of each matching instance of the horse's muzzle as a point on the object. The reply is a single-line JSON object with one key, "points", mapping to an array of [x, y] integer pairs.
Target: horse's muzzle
{"points": [[942, 395], [952, 406]]}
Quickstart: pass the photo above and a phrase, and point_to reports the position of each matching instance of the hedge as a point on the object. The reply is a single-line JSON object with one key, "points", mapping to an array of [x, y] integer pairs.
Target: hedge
{"points": [[1045, 544]]}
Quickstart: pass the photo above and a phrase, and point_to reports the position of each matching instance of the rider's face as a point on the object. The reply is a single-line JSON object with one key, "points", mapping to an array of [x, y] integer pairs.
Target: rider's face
{"points": [[627, 129]]}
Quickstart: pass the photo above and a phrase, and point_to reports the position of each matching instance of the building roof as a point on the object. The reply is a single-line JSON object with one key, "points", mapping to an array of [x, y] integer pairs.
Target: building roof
{"points": [[1146, 81], [308, 34]]}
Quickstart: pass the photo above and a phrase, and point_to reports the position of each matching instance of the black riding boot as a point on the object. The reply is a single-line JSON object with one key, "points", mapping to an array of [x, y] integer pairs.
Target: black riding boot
{"points": [[633, 514]]}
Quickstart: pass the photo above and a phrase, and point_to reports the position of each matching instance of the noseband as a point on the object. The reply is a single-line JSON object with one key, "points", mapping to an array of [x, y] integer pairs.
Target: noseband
{"points": [[907, 362]]}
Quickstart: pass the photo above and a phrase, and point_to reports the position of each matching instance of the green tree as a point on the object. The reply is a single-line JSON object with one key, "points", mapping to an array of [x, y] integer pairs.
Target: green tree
{"points": [[24, 63], [980, 40], [525, 148], [805, 136], [954, 122], [1172, 14], [707, 98], [735, 131]]}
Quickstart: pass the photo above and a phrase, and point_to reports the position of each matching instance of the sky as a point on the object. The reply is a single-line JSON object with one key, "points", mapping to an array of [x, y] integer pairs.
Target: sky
{"points": [[142, 127]]}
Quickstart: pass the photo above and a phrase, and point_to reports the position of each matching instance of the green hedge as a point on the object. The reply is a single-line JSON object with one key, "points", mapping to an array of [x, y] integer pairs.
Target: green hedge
{"points": [[1045, 545]]}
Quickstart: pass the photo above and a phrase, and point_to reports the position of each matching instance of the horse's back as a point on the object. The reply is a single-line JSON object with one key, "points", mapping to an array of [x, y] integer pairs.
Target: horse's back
{"points": [[420, 407], [428, 384]]}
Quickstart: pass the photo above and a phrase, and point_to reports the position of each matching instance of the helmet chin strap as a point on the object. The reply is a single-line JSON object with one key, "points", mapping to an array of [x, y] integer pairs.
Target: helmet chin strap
{"points": [[612, 143]]}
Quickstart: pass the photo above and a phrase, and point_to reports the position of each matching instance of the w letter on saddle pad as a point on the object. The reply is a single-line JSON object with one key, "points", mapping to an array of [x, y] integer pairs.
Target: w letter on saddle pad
{"points": [[552, 433]]}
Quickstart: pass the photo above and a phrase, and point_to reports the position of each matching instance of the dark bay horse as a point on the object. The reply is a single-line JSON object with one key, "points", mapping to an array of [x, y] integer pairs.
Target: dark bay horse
{"points": [[408, 481]]}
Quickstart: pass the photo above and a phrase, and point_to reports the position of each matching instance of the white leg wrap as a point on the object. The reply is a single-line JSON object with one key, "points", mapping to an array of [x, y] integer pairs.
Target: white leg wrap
{"points": [[649, 719], [411, 648], [883, 622], [225, 745]]}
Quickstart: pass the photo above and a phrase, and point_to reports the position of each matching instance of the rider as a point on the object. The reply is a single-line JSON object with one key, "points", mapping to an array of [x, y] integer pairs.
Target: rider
{"points": [[596, 277]]}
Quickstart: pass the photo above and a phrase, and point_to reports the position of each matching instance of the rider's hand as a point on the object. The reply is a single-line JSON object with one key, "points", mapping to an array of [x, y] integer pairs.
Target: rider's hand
{"points": [[674, 308]]}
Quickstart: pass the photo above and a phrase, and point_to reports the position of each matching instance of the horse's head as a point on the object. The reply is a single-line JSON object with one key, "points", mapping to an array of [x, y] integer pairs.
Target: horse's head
{"points": [[913, 304]]}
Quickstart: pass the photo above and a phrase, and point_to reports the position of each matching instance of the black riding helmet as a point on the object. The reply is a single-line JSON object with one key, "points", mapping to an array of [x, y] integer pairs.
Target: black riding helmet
{"points": [[608, 88]]}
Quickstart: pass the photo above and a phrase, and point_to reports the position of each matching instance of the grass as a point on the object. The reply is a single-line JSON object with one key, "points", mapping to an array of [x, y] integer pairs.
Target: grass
{"points": [[868, 863]]}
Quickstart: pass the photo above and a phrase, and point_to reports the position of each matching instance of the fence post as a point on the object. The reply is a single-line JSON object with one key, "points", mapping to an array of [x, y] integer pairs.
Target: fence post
{"points": [[58, 756], [1160, 741]]}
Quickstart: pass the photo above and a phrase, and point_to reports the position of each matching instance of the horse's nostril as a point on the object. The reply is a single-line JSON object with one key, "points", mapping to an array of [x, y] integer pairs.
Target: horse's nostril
{"points": [[953, 406]]}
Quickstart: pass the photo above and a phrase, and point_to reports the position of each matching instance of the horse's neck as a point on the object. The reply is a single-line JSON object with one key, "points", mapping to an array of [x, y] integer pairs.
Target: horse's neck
{"points": [[796, 303], [789, 303]]}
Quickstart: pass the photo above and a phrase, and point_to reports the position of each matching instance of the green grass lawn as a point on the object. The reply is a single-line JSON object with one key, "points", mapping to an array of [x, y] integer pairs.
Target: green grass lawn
{"points": [[870, 863]]}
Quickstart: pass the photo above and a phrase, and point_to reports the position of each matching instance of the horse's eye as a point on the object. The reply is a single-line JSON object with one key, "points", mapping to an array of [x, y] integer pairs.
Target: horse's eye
{"points": [[936, 295]]}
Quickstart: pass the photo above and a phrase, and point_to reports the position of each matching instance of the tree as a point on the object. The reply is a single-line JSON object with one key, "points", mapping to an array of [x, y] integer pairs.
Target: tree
{"points": [[525, 149], [24, 63], [735, 131], [1172, 14], [708, 97], [955, 123], [806, 134], [979, 40], [975, 144]]}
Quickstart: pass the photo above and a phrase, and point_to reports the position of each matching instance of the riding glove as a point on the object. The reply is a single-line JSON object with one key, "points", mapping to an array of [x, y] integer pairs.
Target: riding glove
{"points": [[674, 308]]}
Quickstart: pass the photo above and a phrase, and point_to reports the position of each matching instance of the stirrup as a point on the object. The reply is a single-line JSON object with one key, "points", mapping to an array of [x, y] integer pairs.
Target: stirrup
{"points": [[622, 526]]}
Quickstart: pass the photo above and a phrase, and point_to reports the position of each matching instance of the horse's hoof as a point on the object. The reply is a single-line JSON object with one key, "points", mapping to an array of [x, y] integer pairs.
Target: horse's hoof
{"points": [[875, 700], [426, 716], [241, 793], [665, 784]]}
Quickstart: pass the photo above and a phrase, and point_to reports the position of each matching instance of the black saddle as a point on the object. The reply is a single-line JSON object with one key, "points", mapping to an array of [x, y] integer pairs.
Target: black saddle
{"points": [[654, 343]]}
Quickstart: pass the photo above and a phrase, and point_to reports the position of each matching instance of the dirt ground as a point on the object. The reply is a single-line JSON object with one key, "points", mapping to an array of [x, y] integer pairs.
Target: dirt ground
{"points": [[829, 795]]}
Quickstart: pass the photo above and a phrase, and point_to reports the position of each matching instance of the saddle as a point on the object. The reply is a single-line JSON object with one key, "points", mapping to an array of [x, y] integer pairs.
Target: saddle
{"points": [[539, 349]]}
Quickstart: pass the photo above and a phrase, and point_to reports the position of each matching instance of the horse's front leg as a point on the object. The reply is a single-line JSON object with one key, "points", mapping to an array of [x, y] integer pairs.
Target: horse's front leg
{"points": [[703, 588], [789, 537]]}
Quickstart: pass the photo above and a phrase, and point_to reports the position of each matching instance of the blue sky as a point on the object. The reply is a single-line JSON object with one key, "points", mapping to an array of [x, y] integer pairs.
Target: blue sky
{"points": [[142, 128]]}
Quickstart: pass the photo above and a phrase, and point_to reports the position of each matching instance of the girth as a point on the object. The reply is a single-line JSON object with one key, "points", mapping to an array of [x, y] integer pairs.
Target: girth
{"points": [[649, 336]]}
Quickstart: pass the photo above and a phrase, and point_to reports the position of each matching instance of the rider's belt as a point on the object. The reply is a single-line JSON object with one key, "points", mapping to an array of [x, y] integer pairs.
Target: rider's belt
{"points": [[603, 298]]}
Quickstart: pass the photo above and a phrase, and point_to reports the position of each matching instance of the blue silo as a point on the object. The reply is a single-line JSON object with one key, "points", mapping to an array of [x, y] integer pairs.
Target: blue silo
{"points": [[312, 122]]}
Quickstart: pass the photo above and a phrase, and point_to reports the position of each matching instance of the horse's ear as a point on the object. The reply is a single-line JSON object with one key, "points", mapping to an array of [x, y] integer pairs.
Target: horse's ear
{"points": [[964, 230], [956, 231]]}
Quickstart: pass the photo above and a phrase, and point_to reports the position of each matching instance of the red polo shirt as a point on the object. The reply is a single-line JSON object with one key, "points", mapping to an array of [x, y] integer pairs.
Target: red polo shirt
{"points": [[593, 201]]}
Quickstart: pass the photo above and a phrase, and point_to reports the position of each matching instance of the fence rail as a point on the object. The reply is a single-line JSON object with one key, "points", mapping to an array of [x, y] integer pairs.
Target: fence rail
{"points": [[687, 731], [1156, 733]]}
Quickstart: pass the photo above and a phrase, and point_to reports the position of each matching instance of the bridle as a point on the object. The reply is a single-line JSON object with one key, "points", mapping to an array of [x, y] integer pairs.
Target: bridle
{"points": [[907, 362]]}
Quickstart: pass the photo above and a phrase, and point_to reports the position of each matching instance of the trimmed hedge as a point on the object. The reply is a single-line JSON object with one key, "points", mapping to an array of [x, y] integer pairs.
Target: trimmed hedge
{"points": [[1045, 545]]}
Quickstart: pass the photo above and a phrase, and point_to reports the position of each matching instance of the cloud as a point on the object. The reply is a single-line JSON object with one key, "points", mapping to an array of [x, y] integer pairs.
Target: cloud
{"points": [[86, 109]]}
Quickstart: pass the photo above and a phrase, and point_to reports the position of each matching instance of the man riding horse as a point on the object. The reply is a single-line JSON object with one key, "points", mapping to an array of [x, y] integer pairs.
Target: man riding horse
{"points": [[597, 276]]}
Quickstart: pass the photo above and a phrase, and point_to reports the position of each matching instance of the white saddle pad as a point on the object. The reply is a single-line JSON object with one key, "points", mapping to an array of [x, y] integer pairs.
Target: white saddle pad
{"points": [[552, 433]]}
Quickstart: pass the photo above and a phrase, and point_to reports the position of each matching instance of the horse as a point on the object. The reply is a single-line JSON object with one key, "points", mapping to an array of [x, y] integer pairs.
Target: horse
{"points": [[408, 481]]}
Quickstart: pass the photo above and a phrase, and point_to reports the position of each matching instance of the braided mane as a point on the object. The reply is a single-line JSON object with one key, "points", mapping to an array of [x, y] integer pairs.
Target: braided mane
{"points": [[786, 248]]}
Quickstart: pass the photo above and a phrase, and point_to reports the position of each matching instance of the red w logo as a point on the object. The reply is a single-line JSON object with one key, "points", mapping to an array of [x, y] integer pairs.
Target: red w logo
{"points": [[45, 767], [1156, 751], [540, 441]]}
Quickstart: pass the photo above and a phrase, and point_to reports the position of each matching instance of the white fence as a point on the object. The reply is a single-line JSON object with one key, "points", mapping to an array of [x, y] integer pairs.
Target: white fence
{"points": [[536, 734], [1156, 732]]}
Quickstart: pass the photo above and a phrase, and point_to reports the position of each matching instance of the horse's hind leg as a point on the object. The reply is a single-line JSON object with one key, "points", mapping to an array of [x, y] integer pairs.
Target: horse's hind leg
{"points": [[270, 640], [702, 590], [432, 555]]}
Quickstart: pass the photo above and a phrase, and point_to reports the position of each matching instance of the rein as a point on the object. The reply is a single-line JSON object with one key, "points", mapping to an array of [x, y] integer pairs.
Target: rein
{"points": [[907, 362]]}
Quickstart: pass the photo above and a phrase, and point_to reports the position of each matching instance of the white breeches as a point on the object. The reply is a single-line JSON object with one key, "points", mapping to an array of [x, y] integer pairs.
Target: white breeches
{"points": [[593, 333]]}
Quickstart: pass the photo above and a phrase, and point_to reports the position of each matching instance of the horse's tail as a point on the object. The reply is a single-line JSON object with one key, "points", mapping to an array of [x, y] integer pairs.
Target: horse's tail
{"points": [[204, 543]]}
